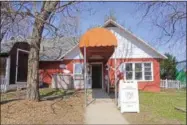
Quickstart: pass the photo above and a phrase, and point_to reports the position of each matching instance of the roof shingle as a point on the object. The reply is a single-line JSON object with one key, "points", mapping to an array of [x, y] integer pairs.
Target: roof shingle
{"points": [[50, 49]]}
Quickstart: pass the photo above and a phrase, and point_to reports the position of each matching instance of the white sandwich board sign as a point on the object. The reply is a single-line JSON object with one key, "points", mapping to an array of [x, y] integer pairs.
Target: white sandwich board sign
{"points": [[128, 99]]}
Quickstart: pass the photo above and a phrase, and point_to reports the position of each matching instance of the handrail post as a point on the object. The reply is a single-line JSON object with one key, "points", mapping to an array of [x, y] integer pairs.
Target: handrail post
{"points": [[115, 77], [85, 90]]}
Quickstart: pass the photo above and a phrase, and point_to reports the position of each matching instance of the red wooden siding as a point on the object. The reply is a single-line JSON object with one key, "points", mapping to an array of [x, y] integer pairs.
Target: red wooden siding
{"points": [[153, 86], [48, 68], [51, 67]]}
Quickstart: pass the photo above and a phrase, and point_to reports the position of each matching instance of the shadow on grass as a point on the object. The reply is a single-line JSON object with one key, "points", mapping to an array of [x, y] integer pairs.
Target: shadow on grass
{"points": [[48, 94], [7, 101], [44, 95], [56, 94]]}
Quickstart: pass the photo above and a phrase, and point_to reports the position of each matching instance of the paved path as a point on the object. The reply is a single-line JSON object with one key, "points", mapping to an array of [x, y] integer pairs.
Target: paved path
{"points": [[103, 110]]}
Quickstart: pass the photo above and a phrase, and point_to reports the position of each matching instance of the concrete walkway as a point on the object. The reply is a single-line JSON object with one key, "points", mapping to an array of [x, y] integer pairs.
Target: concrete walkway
{"points": [[103, 110]]}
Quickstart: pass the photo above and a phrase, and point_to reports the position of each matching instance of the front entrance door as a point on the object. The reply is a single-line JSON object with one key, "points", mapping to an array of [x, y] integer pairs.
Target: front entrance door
{"points": [[96, 76]]}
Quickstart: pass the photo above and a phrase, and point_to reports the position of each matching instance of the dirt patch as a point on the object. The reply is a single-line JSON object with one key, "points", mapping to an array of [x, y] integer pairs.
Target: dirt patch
{"points": [[67, 110]]}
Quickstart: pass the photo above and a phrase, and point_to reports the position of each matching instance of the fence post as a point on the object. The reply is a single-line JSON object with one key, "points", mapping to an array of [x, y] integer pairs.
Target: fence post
{"points": [[178, 84], [166, 83]]}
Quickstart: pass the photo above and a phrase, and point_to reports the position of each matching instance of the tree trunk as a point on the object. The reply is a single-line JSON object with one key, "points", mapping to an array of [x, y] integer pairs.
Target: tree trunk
{"points": [[33, 61], [33, 77]]}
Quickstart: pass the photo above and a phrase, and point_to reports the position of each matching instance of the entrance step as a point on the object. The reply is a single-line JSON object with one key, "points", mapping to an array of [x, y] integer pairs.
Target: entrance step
{"points": [[97, 96]]}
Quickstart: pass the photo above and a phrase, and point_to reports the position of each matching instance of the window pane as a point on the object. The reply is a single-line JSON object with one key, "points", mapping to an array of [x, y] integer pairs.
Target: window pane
{"points": [[128, 67], [128, 75], [138, 76], [147, 69], [138, 67], [147, 64], [148, 77], [78, 68], [148, 73]]}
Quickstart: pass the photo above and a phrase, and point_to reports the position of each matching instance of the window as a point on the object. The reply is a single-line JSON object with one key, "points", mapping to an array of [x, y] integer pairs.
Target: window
{"points": [[129, 71], [137, 71], [147, 71], [78, 67]]}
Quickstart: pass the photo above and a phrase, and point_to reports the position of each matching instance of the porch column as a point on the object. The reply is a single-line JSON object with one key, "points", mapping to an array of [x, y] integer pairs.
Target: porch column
{"points": [[85, 76], [115, 76]]}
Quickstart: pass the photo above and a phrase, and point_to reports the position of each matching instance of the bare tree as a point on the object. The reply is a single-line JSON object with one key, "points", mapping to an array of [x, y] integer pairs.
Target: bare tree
{"points": [[11, 23], [33, 62], [168, 17], [43, 24]]}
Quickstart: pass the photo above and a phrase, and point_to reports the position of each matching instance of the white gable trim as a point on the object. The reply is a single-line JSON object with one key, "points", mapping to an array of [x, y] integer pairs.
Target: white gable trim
{"points": [[60, 58], [74, 53], [131, 34]]}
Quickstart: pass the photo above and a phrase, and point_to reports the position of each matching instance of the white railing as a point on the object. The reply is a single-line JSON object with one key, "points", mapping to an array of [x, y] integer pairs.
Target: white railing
{"points": [[3, 84], [4, 87], [171, 84]]}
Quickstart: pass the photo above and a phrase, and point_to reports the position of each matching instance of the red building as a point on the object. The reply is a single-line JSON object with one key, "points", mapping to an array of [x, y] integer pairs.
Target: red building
{"points": [[135, 59]]}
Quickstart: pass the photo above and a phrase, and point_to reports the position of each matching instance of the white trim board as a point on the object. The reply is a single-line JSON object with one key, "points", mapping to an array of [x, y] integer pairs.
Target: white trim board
{"points": [[133, 35], [143, 77], [126, 31], [62, 56]]}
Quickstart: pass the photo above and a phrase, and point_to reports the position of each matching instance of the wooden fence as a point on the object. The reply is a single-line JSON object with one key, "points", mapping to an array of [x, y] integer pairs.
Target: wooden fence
{"points": [[175, 84]]}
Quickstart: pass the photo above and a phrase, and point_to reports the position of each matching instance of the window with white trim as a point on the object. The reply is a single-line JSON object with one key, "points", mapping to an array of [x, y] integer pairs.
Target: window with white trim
{"points": [[129, 71], [148, 71], [141, 71], [78, 68], [138, 71]]}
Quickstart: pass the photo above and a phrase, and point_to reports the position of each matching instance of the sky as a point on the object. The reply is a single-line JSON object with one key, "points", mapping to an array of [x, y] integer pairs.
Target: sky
{"points": [[127, 16]]}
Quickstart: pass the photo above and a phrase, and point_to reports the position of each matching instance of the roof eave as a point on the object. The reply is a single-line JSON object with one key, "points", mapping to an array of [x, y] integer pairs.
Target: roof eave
{"points": [[139, 39]]}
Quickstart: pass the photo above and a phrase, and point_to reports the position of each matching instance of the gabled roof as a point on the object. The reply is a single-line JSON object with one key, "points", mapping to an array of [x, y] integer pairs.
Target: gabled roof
{"points": [[6, 46], [112, 23], [50, 49], [56, 49]]}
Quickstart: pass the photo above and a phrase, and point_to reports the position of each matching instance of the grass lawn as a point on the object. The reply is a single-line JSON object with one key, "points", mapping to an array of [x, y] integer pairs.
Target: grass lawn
{"points": [[160, 108], [55, 107]]}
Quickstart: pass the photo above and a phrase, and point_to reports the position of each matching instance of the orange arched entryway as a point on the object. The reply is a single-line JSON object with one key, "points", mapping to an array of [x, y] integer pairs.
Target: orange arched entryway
{"points": [[100, 44]]}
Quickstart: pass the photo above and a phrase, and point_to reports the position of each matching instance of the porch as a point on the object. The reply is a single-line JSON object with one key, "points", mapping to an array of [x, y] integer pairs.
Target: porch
{"points": [[97, 46]]}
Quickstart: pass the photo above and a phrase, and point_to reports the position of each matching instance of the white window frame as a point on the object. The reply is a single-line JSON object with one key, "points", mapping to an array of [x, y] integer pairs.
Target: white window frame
{"points": [[17, 60], [143, 76], [151, 71], [134, 72], [74, 68]]}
